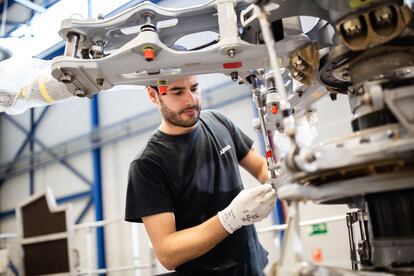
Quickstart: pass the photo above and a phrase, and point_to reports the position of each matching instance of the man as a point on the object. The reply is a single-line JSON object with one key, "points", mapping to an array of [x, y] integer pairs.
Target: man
{"points": [[185, 186]]}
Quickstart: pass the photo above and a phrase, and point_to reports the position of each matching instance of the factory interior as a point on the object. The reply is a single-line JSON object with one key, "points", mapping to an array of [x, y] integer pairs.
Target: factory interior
{"points": [[323, 89]]}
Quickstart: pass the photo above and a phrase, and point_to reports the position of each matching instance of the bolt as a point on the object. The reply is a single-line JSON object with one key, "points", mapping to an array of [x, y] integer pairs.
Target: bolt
{"points": [[66, 78], [79, 93], [383, 16], [298, 63], [278, 125], [97, 50], [299, 92], [360, 91], [333, 96], [231, 52], [234, 76], [392, 134], [99, 81], [297, 75], [310, 157], [352, 26], [261, 71], [366, 99]]}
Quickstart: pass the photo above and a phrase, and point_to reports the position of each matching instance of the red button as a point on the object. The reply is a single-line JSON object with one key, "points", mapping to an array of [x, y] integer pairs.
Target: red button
{"points": [[275, 109], [163, 90], [232, 65], [149, 54]]}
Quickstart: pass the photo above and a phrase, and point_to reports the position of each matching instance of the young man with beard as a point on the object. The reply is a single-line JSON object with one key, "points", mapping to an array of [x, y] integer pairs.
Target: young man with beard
{"points": [[185, 186]]}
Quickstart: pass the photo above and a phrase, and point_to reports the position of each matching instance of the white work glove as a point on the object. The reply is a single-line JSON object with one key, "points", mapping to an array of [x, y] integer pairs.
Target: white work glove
{"points": [[248, 207]]}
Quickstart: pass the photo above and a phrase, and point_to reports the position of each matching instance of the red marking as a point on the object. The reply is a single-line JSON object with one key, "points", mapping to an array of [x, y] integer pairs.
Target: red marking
{"points": [[275, 109], [317, 255], [162, 89], [269, 154], [149, 54], [232, 65]]}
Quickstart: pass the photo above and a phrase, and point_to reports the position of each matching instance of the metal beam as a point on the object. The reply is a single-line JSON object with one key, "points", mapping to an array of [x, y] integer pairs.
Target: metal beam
{"points": [[84, 211], [51, 153], [31, 5], [29, 137]]}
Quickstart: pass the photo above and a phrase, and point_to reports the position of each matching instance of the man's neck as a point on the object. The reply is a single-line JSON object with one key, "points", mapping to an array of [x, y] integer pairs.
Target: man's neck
{"points": [[170, 129]]}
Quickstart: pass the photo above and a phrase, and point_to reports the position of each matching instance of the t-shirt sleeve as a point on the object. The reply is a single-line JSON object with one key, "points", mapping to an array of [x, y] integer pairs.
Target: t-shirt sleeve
{"points": [[147, 193], [241, 141]]}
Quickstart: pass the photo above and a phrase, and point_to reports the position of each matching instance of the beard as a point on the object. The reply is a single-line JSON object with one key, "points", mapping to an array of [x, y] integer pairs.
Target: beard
{"points": [[175, 119]]}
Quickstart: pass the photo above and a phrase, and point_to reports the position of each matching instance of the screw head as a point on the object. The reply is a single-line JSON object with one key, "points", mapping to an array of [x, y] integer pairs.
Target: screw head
{"points": [[231, 53], [352, 27], [383, 16], [298, 63]]}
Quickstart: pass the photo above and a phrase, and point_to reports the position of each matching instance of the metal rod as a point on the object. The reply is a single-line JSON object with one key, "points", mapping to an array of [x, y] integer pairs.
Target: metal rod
{"points": [[97, 224], [274, 61], [302, 223], [72, 43], [350, 219], [259, 104]]}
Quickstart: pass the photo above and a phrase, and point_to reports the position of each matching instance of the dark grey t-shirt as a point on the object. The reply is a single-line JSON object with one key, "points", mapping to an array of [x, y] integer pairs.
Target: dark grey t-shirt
{"points": [[195, 175]]}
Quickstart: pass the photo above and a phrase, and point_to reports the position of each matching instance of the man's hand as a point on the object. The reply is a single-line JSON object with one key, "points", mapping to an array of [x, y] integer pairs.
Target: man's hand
{"points": [[248, 207]]}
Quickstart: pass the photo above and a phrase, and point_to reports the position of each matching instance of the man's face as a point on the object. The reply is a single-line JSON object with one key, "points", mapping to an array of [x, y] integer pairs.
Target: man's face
{"points": [[181, 106]]}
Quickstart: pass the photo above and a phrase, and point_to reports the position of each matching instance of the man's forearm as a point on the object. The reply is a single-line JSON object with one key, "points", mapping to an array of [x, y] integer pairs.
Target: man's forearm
{"points": [[184, 245]]}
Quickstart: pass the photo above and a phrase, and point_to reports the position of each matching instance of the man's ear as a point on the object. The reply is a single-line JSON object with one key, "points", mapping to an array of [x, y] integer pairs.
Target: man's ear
{"points": [[153, 95]]}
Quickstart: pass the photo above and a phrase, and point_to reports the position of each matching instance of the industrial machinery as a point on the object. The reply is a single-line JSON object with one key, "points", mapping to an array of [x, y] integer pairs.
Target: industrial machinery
{"points": [[362, 49]]}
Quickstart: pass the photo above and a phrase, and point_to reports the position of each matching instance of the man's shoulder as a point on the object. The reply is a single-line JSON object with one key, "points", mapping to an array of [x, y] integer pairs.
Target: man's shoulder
{"points": [[149, 150], [211, 113], [215, 116]]}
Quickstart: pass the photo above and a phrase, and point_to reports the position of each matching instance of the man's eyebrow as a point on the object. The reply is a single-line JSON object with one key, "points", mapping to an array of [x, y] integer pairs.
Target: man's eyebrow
{"points": [[176, 88]]}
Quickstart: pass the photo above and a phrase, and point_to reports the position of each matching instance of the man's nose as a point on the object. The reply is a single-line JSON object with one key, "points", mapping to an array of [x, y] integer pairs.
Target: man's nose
{"points": [[190, 96]]}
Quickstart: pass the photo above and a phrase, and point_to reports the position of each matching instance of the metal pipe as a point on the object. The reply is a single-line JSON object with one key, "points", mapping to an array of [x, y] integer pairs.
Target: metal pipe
{"points": [[31, 148], [259, 104], [97, 187], [72, 43]]}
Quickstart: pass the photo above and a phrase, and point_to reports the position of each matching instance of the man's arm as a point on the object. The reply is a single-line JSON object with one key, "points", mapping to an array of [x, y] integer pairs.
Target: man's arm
{"points": [[174, 248], [177, 247], [256, 165]]}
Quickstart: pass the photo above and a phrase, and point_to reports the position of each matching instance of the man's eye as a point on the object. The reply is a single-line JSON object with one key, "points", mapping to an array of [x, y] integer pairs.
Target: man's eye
{"points": [[194, 89]]}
